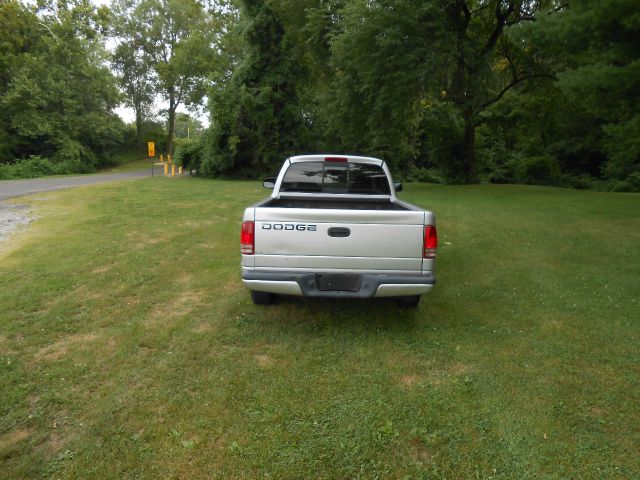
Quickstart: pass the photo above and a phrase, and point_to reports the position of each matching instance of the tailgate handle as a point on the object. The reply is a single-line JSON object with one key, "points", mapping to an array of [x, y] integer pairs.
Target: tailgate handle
{"points": [[339, 232]]}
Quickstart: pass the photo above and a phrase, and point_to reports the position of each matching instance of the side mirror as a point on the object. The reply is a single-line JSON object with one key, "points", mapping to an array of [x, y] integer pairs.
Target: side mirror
{"points": [[397, 186], [269, 183]]}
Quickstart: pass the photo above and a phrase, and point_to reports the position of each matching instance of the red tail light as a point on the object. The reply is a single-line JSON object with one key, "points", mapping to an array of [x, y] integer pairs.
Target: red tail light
{"points": [[247, 238], [430, 241], [336, 159]]}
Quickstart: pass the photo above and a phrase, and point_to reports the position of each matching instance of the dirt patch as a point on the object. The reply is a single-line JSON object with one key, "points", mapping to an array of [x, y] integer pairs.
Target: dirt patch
{"points": [[12, 217], [460, 369], [419, 452], [265, 361], [176, 308], [53, 444], [203, 328], [234, 285], [410, 381], [4, 346], [11, 438], [102, 269], [61, 348]]}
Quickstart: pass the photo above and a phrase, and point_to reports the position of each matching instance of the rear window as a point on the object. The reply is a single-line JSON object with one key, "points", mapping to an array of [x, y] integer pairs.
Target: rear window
{"points": [[335, 177]]}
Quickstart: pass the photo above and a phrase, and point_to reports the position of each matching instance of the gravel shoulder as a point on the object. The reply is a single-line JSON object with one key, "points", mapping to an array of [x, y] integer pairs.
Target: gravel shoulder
{"points": [[12, 217]]}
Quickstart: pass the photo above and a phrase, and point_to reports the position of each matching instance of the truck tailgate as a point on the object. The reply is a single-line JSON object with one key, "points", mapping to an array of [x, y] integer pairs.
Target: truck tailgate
{"points": [[368, 240]]}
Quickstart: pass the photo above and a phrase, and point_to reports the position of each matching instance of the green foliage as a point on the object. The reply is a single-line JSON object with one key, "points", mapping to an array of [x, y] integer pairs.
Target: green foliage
{"points": [[189, 154], [36, 166], [457, 91], [599, 65], [169, 47], [56, 96], [187, 126], [541, 170], [257, 120]]}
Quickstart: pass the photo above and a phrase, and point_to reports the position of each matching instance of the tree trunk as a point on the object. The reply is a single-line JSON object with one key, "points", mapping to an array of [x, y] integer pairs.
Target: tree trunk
{"points": [[172, 119], [468, 160], [139, 144]]}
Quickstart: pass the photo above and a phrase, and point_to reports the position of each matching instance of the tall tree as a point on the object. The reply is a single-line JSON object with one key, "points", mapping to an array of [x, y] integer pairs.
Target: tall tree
{"points": [[178, 39], [137, 83], [256, 118], [406, 60]]}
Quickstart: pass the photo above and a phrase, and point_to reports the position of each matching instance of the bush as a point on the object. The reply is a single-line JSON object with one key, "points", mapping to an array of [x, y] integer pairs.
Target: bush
{"points": [[540, 170], [188, 154], [581, 182], [629, 184], [424, 175], [506, 169], [36, 166]]}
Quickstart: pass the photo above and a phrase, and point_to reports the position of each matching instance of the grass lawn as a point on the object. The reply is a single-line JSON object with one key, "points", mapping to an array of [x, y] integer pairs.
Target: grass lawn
{"points": [[129, 348], [133, 165]]}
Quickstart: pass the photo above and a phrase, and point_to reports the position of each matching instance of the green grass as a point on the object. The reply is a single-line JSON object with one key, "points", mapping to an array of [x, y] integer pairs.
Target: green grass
{"points": [[131, 165], [129, 348]]}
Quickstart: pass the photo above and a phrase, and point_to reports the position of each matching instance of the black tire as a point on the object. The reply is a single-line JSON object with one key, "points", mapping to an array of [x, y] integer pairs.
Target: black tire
{"points": [[409, 302], [262, 298]]}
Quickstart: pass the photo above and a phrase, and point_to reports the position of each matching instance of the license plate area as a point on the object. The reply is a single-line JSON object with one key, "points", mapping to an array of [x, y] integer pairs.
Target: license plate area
{"points": [[341, 282]]}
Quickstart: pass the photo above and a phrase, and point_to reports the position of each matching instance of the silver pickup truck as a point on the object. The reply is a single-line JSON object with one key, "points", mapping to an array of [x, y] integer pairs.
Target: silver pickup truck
{"points": [[333, 227]]}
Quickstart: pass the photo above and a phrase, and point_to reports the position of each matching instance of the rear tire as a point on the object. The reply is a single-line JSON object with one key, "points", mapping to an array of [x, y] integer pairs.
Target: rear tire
{"points": [[262, 298], [409, 302]]}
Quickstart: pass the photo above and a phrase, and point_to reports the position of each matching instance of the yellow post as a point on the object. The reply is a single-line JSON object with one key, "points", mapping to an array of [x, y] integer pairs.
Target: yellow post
{"points": [[180, 170], [166, 169], [173, 170], [169, 159], [161, 158]]}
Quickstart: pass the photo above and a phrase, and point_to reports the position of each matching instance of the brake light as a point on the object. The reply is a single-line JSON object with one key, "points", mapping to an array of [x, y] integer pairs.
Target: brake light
{"points": [[247, 238], [336, 159], [430, 244]]}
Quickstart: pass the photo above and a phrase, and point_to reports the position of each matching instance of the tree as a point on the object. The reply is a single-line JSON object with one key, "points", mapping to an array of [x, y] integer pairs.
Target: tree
{"points": [[411, 63], [256, 119], [178, 40], [57, 97], [136, 81], [595, 44], [187, 126]]}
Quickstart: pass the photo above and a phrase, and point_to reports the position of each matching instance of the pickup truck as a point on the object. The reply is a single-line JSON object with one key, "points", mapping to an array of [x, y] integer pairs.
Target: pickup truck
{"points": [[333, 227]]}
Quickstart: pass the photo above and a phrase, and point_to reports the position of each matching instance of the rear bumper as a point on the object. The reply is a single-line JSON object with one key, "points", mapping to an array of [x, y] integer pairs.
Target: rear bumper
{"points": [[305, 284]]}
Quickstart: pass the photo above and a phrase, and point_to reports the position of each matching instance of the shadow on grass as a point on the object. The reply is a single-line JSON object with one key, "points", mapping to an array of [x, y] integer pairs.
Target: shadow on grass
{"points": [[344, 318]]}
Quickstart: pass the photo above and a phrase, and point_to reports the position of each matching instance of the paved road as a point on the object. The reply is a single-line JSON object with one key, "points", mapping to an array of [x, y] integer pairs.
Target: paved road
{"points": [[18, 188]]}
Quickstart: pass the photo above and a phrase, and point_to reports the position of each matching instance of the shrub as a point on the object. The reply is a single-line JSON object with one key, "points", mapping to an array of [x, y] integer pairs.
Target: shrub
{"points": [[581, 182], [540, 170], [36, 166], [188, 154], [424, 175], [629, 184]]}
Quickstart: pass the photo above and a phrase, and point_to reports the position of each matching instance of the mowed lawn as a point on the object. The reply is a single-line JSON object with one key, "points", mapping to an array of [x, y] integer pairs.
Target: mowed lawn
{"points": [[129, 348]]}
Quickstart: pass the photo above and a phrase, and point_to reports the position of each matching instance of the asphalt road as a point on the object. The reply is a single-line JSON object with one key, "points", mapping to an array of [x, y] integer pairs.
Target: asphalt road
{"points": [[18, 188]]}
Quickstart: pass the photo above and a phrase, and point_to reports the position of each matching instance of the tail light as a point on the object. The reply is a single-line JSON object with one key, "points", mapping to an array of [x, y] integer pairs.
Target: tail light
{"points": [[247, 238], [430, 244], [336, 159]]}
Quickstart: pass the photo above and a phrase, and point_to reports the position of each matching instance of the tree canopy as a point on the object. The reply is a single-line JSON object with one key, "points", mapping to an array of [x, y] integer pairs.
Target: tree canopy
{"points": [[458, 91], [56, 94]]}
